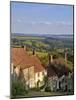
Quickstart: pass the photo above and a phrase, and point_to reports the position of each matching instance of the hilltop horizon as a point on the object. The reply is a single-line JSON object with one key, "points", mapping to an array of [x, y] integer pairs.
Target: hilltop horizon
{"points": [[44, 33]]}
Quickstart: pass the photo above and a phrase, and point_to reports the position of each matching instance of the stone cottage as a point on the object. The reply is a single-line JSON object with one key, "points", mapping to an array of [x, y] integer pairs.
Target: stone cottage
{"points": [[58, 75], [27, 67]]}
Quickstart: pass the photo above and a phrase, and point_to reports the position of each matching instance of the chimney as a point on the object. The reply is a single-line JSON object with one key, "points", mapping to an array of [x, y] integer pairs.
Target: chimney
{"points": [[50, 58], [65, 56], [23, 46], [33, 52]]}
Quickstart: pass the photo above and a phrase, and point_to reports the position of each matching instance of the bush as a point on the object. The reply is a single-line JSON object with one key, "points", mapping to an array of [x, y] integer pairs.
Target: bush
{"points": [[35, 89], [18, 88], [47, 89]]}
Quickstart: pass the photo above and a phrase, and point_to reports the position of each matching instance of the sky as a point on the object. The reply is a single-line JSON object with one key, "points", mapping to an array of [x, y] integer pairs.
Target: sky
{"points": [[34, 18]]}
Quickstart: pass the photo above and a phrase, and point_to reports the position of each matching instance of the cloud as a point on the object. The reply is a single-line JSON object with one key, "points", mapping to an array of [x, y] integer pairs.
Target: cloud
{"points": [[63, 23], [48, 23], [61, 27], [38, 22], [19, 20]]}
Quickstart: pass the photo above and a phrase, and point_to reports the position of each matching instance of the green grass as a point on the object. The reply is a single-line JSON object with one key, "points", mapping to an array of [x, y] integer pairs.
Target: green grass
{"points": [[29, 37], [41, 44], [37, 43], [40, 54], [38, 94], [69, 65], [28, 42]]}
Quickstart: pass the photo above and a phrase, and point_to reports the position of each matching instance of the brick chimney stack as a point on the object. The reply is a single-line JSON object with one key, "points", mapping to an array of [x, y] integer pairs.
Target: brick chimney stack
{"points": [[50, 58], [65, 56], [24, 47], [33, 52]]}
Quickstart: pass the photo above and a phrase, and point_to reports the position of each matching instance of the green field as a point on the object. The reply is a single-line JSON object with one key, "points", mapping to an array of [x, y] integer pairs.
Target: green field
{"points": [[44, 45], [29, 37], [45, 94]]}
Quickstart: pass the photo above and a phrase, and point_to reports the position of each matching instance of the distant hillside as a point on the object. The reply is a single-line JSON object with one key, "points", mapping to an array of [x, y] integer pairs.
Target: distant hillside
{"points": [[69, 36], [43, 41]]}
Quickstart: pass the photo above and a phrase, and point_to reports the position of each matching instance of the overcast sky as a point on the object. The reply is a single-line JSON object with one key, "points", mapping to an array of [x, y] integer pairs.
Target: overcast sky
{"points": [[33, 18]]}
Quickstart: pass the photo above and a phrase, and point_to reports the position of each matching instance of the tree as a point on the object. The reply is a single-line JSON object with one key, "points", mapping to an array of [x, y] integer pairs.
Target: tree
{"points": [[18, 88]]}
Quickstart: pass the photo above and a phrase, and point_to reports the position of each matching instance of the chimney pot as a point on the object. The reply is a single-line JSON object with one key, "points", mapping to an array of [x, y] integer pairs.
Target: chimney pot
{"points": [[50, 58], [33, 51], [65, 56], [23, 47]]}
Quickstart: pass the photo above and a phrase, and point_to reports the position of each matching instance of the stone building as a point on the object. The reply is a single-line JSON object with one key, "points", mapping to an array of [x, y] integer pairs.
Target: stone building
{"points": [[27, 67], [60, 77]]}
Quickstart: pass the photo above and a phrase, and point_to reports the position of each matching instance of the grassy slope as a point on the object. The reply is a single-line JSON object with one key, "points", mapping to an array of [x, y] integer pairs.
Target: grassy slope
{"points": [[29, 37], [43, 56]]}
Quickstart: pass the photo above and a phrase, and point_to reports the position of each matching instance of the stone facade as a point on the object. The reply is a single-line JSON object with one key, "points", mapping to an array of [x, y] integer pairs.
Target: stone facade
{"points": [[31, 78], [64, 83]]}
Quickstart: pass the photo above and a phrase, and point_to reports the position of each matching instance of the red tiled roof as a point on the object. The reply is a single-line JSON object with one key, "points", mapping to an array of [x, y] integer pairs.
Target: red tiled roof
{"points": [[20, 57], [37, 63]]}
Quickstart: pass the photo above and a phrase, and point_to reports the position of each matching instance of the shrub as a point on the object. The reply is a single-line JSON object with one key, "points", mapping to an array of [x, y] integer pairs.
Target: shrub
{"points": [[18, 88], [47, 89]]}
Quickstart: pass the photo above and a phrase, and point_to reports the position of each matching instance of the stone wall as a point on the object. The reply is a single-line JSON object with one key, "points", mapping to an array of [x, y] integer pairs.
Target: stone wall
{"points": [[29, 76]]}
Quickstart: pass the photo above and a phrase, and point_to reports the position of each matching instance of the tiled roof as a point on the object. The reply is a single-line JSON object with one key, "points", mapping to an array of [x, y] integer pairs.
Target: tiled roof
{"points": [[37, 63], [20, 57]]}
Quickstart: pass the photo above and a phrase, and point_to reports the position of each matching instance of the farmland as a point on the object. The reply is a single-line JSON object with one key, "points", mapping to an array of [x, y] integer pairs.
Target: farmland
{"points": [[44, 44]]}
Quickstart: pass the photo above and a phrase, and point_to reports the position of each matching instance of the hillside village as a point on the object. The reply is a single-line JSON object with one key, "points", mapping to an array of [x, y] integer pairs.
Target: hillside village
{"points": [[55, 77]]}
